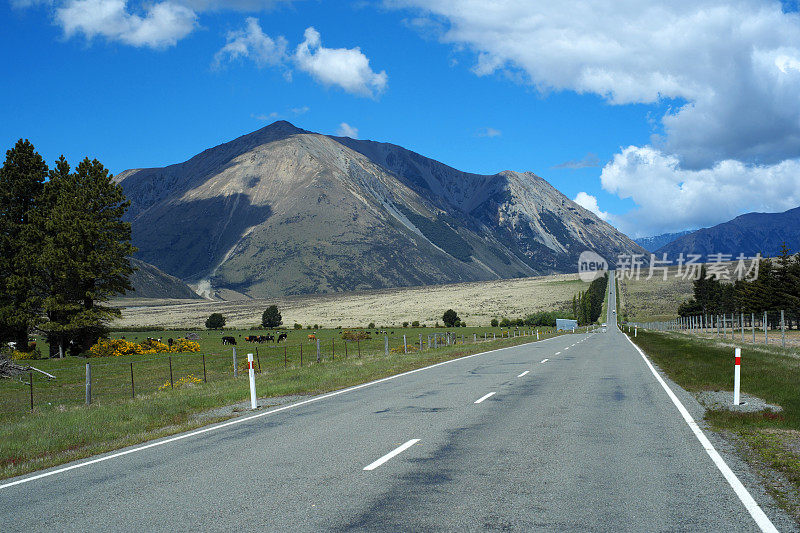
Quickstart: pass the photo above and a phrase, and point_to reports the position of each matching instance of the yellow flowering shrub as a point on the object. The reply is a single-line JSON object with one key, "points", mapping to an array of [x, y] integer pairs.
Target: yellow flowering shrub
{"points": [[191, 379], [119, 347], [399, 349], [16, 355]]}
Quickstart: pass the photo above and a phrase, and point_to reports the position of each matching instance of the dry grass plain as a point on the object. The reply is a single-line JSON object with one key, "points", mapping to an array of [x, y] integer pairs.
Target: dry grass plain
{"points": [[476, 303], [654, 299]]}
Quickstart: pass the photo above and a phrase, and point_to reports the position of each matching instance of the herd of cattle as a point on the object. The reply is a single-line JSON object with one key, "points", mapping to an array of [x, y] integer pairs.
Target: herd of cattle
{"points": [[260, 339]]}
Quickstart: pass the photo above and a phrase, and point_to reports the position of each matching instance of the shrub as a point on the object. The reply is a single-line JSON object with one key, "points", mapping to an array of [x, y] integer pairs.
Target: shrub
{"points": [[215, 321], [316, 326], [405, 324], [31, 355], [298, 326], [494, 323], [371, 325], [415, 324], [271, 317], [191, 379], [120, 347], [505, 323], [358, 335]]}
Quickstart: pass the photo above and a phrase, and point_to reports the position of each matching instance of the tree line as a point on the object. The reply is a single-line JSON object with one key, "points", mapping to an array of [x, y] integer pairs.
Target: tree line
{"points": [[64, 250], [776, 288], [587, 306]]}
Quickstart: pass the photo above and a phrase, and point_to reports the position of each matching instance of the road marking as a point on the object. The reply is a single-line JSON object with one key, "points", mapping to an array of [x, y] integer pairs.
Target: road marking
{"points": [[397, 451], [567, 348], [523, 373], [243, 419], [750, 504], [485, 396], [557, 353], [545, 360]]}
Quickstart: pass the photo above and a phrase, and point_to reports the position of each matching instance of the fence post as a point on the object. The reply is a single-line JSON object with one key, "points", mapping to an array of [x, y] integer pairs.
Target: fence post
{"points": [[333, 349], [737, 375], [235, 368], [405, 346], [259, 360], [753, 325], [317, 350], [88, 383], [133, 390], [204, 369], [301, 353], [766, 341], [474, 337], [358, 345], [171, 383], [420, 342], [783, 331], [386, 345], [284, 356], [30, 384]]}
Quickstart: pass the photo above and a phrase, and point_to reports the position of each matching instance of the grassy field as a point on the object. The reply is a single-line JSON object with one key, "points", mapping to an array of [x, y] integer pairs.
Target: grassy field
{"points": [[655, 299], [476, 303], [767, 439], [61, 428]]}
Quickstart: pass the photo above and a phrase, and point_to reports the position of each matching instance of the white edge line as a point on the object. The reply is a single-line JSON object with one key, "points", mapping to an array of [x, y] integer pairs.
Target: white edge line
{"points": [[761, 519], [397, 451], [241, 420], [523, 373], [484, 397]]}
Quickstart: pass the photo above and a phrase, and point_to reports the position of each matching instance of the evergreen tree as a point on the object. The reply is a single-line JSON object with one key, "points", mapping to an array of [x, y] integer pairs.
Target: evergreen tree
{"points": [[85, 252], [217, 321], [450, 318], [21, 181], [271, 317]]}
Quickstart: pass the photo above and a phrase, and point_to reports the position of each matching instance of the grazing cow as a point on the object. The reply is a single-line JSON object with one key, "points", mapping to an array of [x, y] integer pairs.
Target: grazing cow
{"points": [[170, 342], [269, 337], [312, 337], [251, 338], [282, 336], [229, 340]]}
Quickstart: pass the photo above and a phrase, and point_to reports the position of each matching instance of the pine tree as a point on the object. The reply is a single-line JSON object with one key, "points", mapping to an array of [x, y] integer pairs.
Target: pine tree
{"points": [[21, 182], [85, 252]]}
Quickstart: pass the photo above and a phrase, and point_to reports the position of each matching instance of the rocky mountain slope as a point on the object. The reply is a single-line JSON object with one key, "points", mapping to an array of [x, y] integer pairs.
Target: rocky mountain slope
{"points": [[748, 234], [150, 282], [285, 211]]}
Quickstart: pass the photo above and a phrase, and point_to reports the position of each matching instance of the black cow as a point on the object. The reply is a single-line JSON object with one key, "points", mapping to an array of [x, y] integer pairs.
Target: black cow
{"points": [[269, 338], [170, 342], [282, 336], [229, 340]]}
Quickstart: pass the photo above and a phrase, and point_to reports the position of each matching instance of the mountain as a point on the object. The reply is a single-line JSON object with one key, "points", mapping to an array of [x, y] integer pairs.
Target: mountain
{"points": [[747, 234], [651, 244], [150, 282], [286, 211]]}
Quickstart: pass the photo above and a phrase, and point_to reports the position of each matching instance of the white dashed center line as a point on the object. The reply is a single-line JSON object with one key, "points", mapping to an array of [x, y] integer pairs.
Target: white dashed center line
{"points": [[397, 451], [545, 360], [485, 396], [523, 373]]}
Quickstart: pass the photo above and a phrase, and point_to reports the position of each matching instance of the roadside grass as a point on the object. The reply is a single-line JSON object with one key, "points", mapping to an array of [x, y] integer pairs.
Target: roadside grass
{"points": [[769, 373], [58, 434]]}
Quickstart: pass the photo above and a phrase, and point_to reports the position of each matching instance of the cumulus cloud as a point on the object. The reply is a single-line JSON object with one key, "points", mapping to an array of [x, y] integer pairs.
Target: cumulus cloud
{"points": [[728, 65], [251, 42], [347, 68], [489, 132], [671, 198], [346, 130], [589, 160], [589, 202], [162, 24]]}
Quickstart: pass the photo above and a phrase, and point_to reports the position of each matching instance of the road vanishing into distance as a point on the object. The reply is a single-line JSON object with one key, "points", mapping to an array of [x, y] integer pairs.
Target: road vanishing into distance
{"points": [[570, 433]]}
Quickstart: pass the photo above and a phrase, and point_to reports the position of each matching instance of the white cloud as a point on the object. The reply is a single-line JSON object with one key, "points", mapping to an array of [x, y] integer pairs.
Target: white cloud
{"points": [[162, 25], [347, 68], [251, 42], [489, 132], [589, 202], [671, 198], [346, 130]]}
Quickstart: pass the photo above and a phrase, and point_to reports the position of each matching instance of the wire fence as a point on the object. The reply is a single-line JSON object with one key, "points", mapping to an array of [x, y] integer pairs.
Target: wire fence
{"points": [[777, 328], [97, 380]]}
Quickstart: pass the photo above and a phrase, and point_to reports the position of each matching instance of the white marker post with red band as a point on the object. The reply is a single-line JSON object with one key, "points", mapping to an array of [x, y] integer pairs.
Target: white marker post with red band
{"points": [[252, 372], [736, 375]]}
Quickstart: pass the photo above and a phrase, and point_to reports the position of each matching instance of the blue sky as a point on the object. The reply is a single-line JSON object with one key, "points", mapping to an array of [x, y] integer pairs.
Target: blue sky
{"points": [[660, 113]]}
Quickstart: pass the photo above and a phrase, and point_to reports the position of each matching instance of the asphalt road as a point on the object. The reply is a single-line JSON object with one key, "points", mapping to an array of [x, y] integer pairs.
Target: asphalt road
{"points": [[577, 435]]}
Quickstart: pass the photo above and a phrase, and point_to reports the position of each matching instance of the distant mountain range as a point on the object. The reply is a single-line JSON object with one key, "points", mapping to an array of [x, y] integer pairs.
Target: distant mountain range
{"points": [[748, 234], [651, 244], [286, 211]]}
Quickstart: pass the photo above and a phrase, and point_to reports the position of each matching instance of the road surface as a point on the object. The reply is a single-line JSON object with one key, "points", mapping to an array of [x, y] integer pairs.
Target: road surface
{"points": [[570, 433]]}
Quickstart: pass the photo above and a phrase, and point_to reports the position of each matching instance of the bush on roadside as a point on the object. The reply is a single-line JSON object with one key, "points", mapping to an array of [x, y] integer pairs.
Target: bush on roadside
{"points": [[358, 335]]}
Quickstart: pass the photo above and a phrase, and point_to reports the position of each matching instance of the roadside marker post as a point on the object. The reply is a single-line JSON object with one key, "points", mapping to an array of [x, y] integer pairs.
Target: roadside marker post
{"points": [[252, 372], [88, 383], [636, 331], [737, 375], [537, 334], [405, 346], [235, 370]]}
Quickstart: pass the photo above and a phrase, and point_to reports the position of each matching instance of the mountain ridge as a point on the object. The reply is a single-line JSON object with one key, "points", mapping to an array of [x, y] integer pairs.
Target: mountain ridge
{"points": [[286, 211]]}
